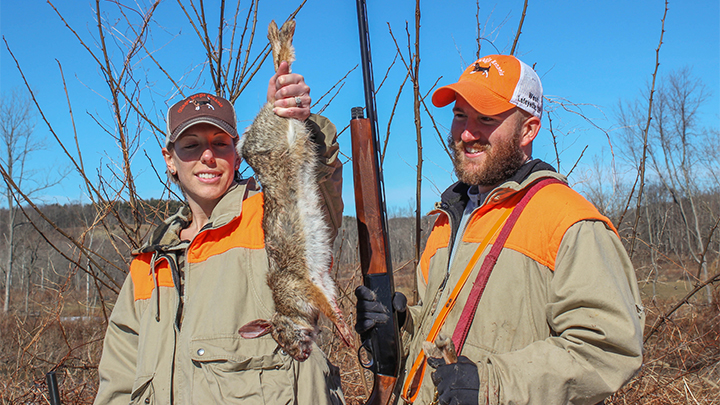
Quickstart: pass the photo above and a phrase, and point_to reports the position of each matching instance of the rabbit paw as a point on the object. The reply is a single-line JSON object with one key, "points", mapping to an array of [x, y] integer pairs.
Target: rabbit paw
{"points": [[295, 335]]}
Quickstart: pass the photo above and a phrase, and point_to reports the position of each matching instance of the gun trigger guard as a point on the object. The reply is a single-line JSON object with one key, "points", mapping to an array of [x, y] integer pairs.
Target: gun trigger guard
{"points": [[367, 348]]}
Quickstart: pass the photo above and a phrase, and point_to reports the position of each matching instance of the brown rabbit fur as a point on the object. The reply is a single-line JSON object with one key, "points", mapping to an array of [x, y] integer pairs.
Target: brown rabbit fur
{"points": [[297, 239], [281, 42], [443, 347]]}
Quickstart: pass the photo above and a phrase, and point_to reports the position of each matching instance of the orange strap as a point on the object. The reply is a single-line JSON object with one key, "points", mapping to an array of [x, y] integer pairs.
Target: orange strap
{"points": [[417, 371]]}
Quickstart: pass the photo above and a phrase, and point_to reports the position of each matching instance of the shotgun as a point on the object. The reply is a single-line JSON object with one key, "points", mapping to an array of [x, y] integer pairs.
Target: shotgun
{"points": [[382, 343]]}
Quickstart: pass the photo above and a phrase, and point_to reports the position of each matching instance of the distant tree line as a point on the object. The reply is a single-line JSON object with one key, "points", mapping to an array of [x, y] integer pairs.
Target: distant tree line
{"points": [[664, 251]]}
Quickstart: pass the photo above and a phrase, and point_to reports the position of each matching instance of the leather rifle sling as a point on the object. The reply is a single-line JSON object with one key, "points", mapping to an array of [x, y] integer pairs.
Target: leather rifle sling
{"points": [[417, 371], [468, 314]]}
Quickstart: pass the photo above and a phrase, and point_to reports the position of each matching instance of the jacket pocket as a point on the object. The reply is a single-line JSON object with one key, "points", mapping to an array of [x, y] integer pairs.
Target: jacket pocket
{"points": [[237, 370], [143, 391]]}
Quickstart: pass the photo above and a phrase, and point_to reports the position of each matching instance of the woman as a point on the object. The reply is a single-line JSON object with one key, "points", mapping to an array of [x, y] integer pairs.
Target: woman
{"points": [[173, 334]]}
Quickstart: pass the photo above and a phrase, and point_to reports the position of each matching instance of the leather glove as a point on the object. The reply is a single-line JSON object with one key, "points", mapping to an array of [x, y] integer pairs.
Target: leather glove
{"points": [[370, 311], [457, 383]]}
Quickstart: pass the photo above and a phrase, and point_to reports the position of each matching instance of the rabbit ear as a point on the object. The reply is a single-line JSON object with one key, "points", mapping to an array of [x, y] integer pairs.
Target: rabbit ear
{"points": [[274, 38], [281, 42], [255, 329], [287, 31]]}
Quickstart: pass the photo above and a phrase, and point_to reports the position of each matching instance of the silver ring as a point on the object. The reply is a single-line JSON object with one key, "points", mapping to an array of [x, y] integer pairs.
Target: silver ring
{"points": [[298, 101]]}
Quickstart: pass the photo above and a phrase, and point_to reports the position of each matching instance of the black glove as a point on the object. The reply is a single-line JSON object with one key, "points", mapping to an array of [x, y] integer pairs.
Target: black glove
{"points": [[457, 383], [370, 311]]}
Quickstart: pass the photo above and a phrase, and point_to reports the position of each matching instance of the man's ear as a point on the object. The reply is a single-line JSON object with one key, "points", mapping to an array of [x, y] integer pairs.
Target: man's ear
{"points": [[529, 130]]}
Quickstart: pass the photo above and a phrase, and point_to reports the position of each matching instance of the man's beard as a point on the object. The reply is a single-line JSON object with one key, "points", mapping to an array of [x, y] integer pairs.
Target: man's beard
{"points": [[501, 161]]}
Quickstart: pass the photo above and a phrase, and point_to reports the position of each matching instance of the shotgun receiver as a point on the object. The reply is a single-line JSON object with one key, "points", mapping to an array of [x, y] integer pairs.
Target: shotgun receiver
{"points": [[382, 343]]}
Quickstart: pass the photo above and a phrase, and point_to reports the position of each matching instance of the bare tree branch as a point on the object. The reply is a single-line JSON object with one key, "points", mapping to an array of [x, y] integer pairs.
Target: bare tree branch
{"points": [[519, 30]]}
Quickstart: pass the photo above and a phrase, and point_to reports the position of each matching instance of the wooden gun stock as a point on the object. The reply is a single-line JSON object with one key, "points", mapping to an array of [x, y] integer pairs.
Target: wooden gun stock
{"points": [[382, 393], [381, 343], [369, 206]]}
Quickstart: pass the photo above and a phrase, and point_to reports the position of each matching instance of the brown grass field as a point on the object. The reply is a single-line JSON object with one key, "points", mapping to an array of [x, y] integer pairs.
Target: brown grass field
{"points": [[681, 366]]}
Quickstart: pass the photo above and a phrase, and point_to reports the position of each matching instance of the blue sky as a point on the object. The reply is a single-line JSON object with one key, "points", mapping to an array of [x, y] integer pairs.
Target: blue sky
{"points": [[593, 54]]}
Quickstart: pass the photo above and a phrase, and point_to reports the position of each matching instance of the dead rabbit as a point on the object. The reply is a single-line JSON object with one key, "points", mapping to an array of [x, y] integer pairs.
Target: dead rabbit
{"points": [[297, 239]]}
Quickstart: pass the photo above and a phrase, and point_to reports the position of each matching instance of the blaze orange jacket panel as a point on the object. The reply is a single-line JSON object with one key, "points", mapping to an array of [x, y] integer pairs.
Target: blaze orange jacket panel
{"points": [[439, 238], [245, 231], [143, 279], [541, 226]]}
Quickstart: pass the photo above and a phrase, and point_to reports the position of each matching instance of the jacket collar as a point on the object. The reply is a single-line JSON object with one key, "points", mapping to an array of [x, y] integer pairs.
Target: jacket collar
{"points": [[455, 198], [230, 204], [166, 236], [528, 174]]}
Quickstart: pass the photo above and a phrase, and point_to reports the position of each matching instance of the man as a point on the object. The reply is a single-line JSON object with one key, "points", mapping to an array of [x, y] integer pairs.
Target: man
{"points": [[558, 318]]}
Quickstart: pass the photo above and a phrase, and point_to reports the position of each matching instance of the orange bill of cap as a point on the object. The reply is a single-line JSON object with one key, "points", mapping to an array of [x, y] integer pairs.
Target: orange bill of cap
{"points": [[487, 85]]}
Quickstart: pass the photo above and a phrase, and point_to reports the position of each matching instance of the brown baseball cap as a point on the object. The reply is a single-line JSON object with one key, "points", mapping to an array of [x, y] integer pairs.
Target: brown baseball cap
{"points": [[200, 108]]}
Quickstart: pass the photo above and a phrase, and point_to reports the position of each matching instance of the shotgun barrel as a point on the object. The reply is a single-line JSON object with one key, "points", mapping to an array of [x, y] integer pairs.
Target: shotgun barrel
{"points": [[381, 343]]}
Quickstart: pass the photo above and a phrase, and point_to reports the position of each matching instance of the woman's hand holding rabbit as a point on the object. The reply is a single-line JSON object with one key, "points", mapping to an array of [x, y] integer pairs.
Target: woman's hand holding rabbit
{"points": [[289, 94]]}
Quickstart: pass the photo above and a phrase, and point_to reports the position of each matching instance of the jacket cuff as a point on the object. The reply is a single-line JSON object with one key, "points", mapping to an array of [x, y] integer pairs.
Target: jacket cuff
{"points": [[323, 134]]}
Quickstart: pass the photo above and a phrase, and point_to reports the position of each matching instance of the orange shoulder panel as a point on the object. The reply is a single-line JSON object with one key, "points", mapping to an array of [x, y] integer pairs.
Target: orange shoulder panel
{"points": [[243, 231], [542, 225], [143, 281], [439, 238]]}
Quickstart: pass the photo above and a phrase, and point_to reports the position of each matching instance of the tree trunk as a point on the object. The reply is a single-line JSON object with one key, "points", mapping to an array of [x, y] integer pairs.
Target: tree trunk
{"points": [[653, 255], [10, 251], [418, 130], [26, 285]]}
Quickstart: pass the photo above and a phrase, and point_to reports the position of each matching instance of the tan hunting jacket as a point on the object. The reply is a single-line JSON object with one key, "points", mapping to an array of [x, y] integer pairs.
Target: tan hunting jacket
{"points": [[560, 320], [157, 351]]}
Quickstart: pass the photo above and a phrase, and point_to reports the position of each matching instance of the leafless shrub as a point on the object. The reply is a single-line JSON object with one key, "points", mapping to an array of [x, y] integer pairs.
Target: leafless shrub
{"points": [[682, 361], [60, 325]]}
